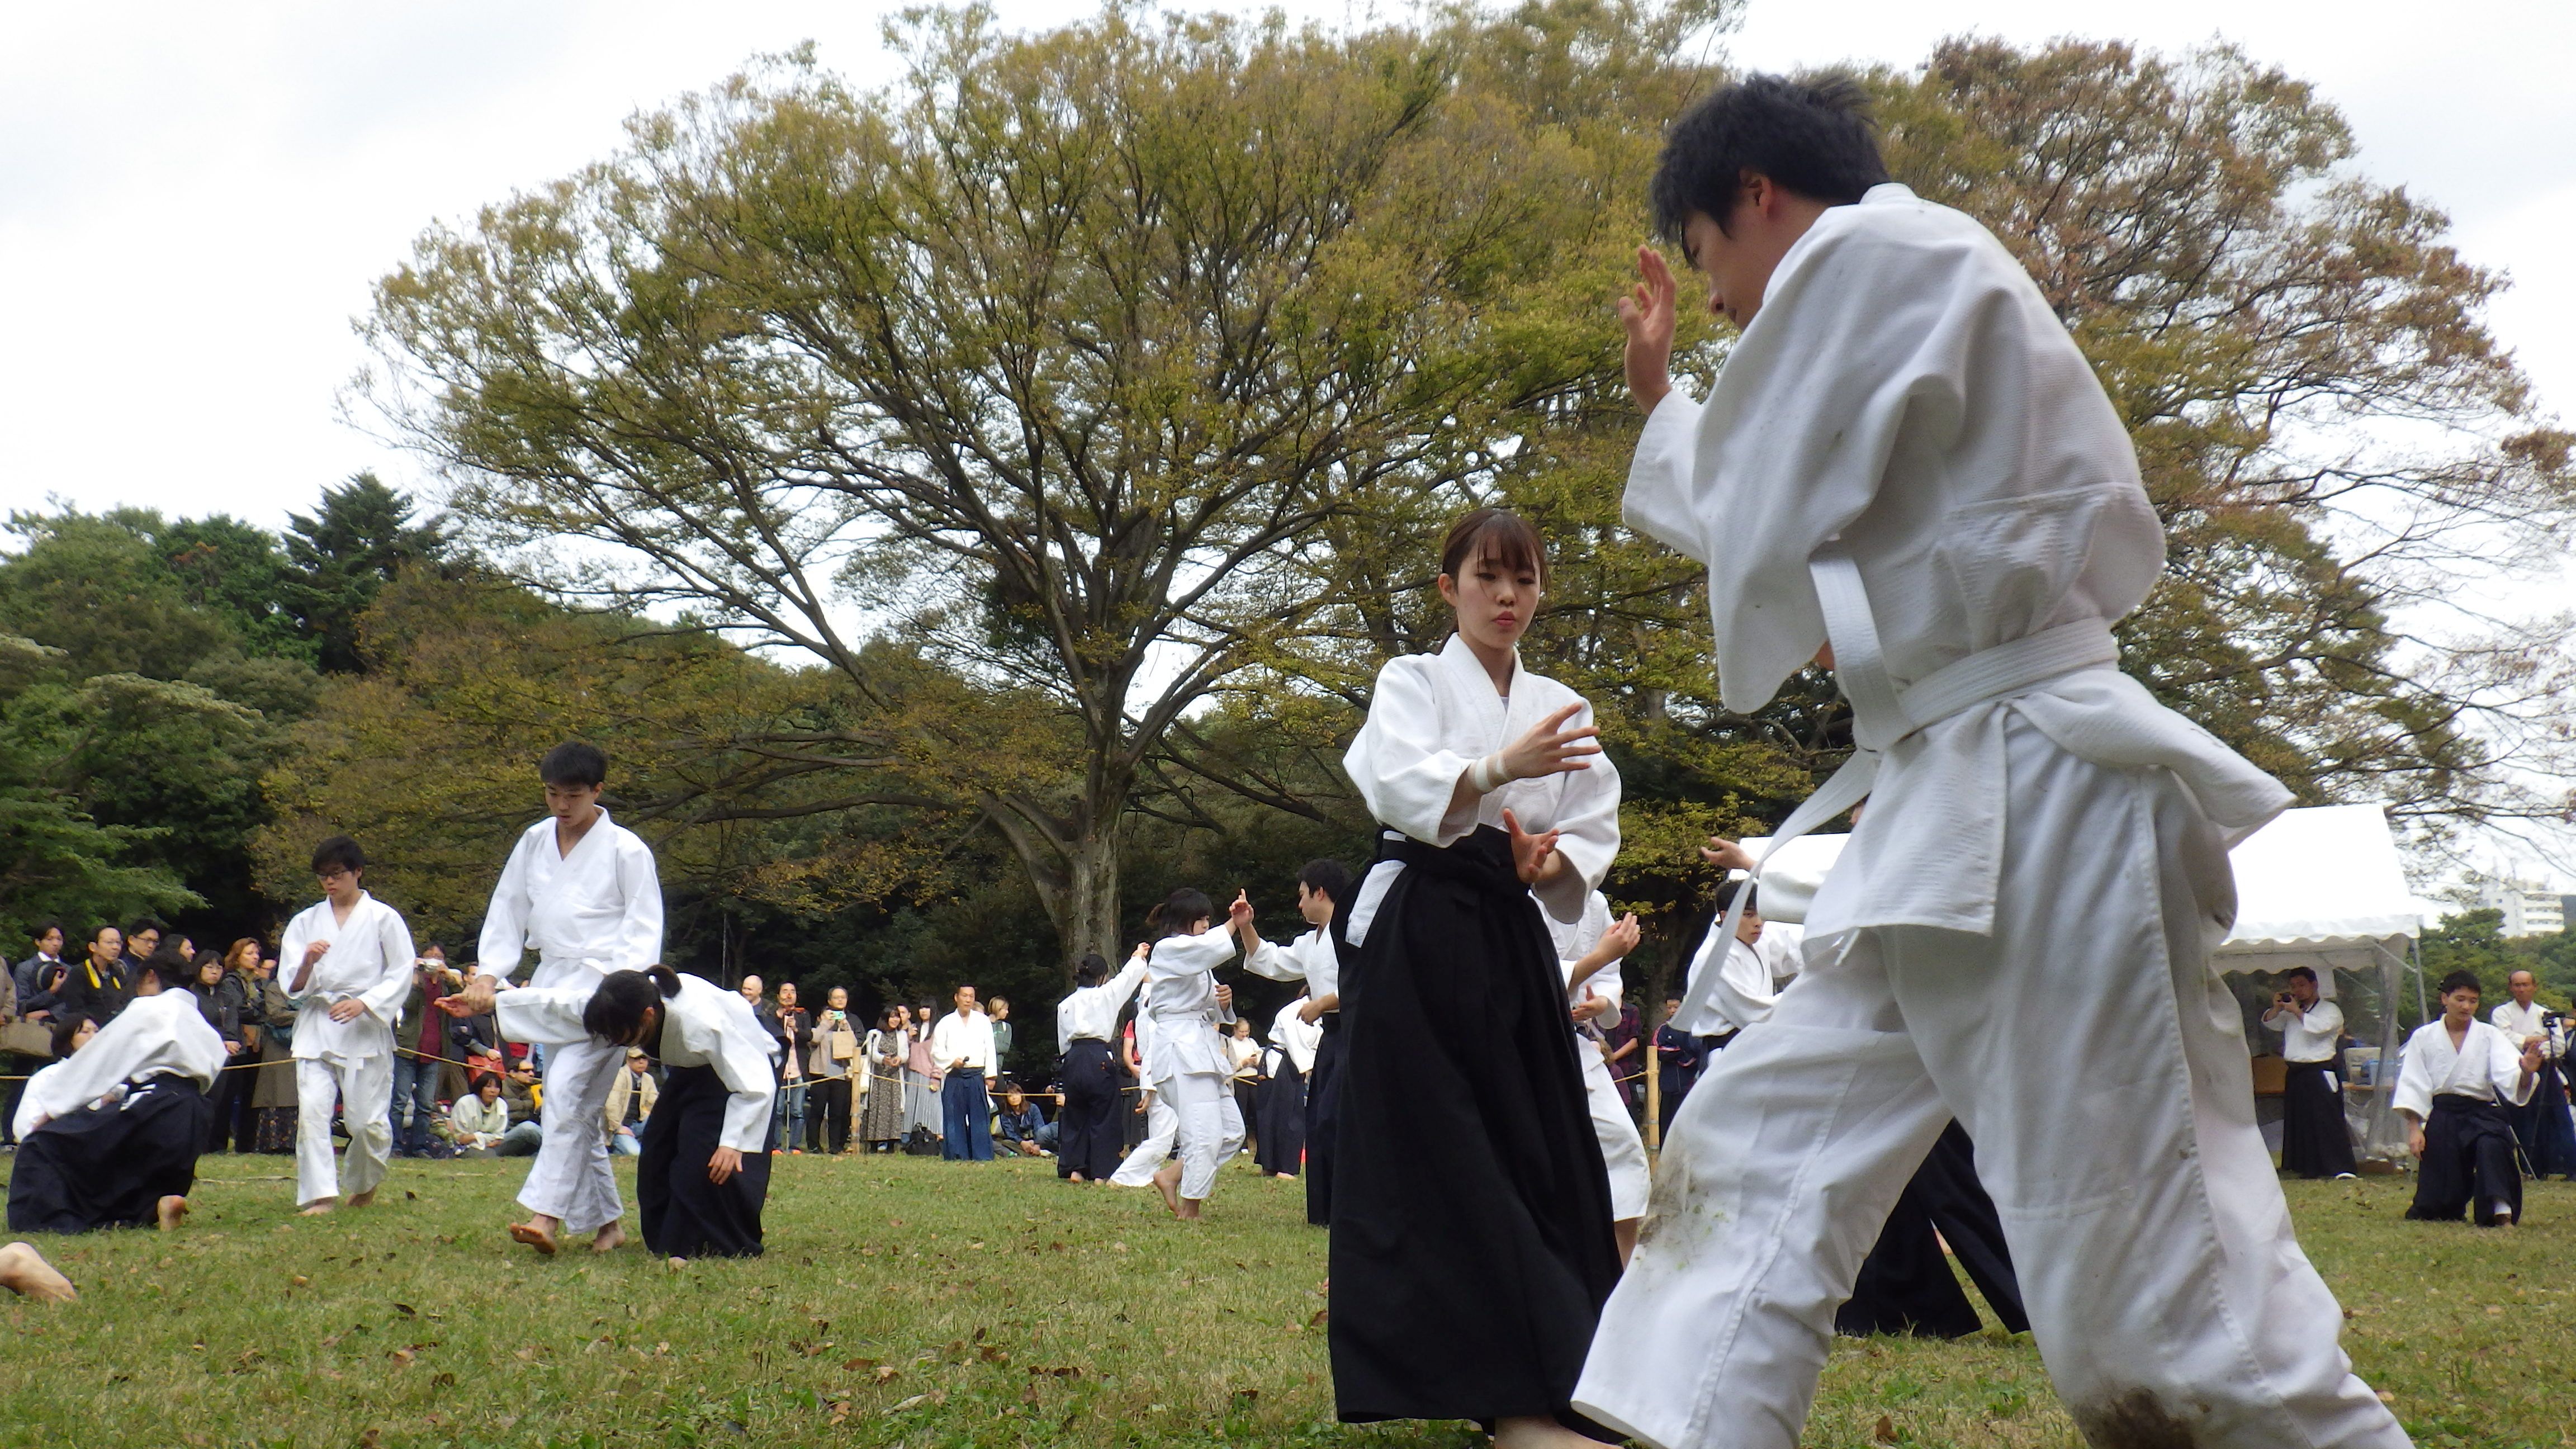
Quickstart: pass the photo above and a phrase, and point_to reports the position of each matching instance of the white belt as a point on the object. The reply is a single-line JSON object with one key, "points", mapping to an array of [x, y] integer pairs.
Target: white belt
{"points": [[1883, 714]]}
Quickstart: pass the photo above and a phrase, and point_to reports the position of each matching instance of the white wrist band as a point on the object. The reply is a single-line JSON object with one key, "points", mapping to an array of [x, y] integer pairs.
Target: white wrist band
{"points": [[1486, 775]]}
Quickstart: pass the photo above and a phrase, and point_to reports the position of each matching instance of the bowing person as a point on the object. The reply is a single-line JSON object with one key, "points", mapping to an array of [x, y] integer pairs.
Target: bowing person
{"points": [[703, 1175], [1087, 1146], [1471, 1236], [2453, 1082], [109, 1136]]}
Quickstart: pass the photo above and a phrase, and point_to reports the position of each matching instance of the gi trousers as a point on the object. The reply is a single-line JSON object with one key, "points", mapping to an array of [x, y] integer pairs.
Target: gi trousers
{"points": [[571, 1180], [1622, 1150], [1210, 1128], [1162, 1129], [966, 1115], [364, 1091], [2101, 1069]]}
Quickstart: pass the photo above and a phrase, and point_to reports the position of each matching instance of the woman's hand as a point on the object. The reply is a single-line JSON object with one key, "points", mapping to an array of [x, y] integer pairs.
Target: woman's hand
{"points": [[1550, 748], [1591, 1006], [1534, 857], [724, 1164], [1622, 937], [1728, 854], [1648, 313]]}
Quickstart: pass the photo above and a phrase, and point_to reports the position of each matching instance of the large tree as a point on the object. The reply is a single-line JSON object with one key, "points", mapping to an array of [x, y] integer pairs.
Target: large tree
{"points": [[1069, 357]]}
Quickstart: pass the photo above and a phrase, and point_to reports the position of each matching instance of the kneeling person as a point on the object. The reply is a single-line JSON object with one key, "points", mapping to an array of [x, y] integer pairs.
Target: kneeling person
{"points": [[108, 1137], [704, 1170], [2452, 1086]]}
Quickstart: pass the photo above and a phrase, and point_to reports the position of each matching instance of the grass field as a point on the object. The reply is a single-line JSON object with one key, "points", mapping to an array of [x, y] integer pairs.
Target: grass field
{"points": [[912, 1302]]}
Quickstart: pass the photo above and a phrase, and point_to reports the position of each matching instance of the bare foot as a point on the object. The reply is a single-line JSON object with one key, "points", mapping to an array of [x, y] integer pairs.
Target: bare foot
{"points": [[1170, 1188], [678, 1263], [23, 1270], [319, 1207], [170, 1212], [608, 1239], [538, 1234], [1187, 1209], [1536, 1433], [363, 1199]]}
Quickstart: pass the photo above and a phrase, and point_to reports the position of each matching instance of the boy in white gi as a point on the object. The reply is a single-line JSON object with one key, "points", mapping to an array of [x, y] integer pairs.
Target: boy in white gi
{"points": [[1907, 472], [581, 892], [348, 965]]}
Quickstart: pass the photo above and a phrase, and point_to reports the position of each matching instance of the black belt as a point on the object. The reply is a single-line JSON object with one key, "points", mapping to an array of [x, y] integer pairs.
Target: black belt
{"points": [[2458, 1102]]}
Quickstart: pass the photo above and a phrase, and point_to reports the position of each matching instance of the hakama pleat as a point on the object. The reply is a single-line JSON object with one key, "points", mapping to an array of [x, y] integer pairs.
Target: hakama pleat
{"points": [[1282, 1127], [1471, 1235], [2468, 1163], [1906, 1286], [1087, 1138], [2543, 1127], [2314, 1140], [1323, 1120], [686, 1216], [110, 1166]]}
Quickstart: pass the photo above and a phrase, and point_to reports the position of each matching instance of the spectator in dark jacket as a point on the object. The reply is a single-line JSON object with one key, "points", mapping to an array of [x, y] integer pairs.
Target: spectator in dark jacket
{"points": [[95, 985]]}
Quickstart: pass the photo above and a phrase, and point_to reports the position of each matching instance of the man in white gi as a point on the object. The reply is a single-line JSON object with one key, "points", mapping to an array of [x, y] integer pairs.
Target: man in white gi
{"points": [[1314, 958], [348, 965], [1907, 472], [581, 892], [962, 1044], [2543, 1125]]}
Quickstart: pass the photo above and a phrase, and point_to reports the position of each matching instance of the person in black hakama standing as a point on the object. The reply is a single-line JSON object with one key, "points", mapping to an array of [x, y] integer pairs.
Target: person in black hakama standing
{"points": [[2314, 1140]]}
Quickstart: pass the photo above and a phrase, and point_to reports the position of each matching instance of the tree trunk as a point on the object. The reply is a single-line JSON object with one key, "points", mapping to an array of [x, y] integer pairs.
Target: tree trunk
{"points": [[1090, 918]]}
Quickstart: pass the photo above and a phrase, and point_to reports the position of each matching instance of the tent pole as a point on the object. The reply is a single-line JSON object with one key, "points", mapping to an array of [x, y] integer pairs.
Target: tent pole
{"points": [[2423, 1008]]}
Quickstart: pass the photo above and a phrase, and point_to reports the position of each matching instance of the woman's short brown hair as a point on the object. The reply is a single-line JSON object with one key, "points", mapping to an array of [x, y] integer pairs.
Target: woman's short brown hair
{"points": [[1495, 533]]}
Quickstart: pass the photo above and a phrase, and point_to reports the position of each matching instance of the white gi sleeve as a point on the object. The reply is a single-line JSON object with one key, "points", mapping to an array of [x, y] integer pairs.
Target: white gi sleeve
{"points": [[2415, 1075], [1587, 826], [505, 920], [740, 1052], [639, 934], [548, 1014], [1405, 775], [384, 999]]}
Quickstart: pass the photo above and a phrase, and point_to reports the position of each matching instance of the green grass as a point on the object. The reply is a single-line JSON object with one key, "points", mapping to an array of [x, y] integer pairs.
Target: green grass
{"points": [[911, 1302]]}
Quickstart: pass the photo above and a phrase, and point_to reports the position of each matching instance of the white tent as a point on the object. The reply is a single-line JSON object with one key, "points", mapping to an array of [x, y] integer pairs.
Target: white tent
{"points": [[2320, 887]]}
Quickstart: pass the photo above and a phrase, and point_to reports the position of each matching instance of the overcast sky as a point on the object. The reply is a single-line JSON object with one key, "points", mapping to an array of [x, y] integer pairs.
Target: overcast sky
{"points": [[194, 198]]}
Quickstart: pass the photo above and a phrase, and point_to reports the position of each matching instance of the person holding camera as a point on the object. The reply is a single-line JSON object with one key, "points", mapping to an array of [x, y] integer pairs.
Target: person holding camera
{"points": [[419, 1057], [2314, 1140], [2544, 1127]]}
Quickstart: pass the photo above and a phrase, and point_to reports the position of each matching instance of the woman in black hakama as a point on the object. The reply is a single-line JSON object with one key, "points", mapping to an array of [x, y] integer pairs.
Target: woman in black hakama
{"points": [[1472, 1245], [1282, 1110], [109, 1136], [685, 1214], [1906, 1286]]}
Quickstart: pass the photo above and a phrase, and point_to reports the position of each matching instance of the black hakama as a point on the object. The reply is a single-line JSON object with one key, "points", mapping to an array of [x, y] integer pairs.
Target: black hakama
{"points": [[1087, 1136], [1323, 1116], [1471, 1240], [1906, 1286], [2314, 1140], [1283, 1121], [2468, 1163], [2543, 1128], [109, 1166], [686, 1216]]}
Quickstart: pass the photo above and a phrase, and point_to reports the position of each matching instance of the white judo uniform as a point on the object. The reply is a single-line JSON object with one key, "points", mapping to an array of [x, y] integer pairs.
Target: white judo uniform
{"points": [[345, 1063], [1188, 1064], [1907, 456], [1623, 1152], [1162, 1123], [596, 910], [154, 1036], [704, 1026]]}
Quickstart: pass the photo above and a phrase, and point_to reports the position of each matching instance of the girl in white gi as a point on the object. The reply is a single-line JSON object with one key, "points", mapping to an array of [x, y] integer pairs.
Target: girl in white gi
{"points": [[703, 1175], [1162, 1125], [1471, 1237], [108, 1137], [1590, 951], [1086, 1027], [1907, 471], [2453, 1082], [581, 892], [347, 963], [1188, 1064], [1323, 890]]}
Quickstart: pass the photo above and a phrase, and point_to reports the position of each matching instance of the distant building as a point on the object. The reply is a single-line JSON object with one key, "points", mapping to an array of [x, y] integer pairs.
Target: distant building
{"points": [[2528, 909]]}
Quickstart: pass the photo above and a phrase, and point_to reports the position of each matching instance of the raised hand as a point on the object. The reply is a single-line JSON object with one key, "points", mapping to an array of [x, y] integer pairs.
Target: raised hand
{"points": [[1648, 312], [1532, 855], [1728, 854], [1551, 749], [313, 952], [476, 999], [1623, 936], [1240, 911]]}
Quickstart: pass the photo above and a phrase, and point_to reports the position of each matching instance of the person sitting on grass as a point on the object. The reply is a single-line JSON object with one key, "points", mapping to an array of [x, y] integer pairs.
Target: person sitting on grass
{"points": [[704, 1170], [481, 1119], [1019, 1126], [2452, 1083], [109, 1136], [630, 1104]]}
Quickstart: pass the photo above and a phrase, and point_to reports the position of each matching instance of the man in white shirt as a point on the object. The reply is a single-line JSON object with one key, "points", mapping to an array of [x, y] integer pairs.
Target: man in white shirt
{"points": [[2543, 1126], [348, 966], [2314, 1141], [962, 1044], [579, 890]]}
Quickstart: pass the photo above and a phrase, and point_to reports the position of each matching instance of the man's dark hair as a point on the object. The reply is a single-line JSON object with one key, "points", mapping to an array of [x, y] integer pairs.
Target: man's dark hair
{"points": [[1328, 878], [2462, 981], [138, 926], [2299, 971], [1812, 137], [44, 926], [338, 853], [102, 928], [1725, 896], [574, 762]]}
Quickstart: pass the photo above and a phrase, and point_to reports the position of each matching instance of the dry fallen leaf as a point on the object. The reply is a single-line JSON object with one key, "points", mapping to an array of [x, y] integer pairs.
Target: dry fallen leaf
{"points": [[1886, 1433]]}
